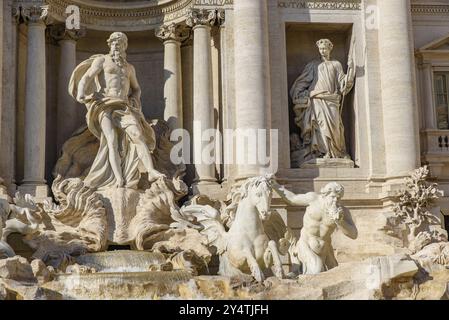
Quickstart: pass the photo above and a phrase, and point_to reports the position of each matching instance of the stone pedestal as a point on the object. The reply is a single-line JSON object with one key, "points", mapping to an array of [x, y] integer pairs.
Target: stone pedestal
{"points": [[134, 216], [327, 163]]}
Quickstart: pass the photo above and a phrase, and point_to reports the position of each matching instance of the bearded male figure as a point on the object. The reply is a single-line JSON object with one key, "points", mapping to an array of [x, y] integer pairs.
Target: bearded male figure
{"points": [[313, 251], [108, 86], [318, 95]]}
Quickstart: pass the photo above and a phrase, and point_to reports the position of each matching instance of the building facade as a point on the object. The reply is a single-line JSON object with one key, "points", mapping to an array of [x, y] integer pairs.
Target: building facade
{"points": [[230, 64]]}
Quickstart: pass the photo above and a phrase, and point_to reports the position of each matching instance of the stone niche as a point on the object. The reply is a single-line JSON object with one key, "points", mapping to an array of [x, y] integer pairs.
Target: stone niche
{"points": [[301, 49], [145, 52]]}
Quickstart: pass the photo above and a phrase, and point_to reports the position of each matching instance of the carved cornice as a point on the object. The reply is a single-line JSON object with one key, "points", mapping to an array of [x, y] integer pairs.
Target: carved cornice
{"points": [[172, 32], [428, 9], [321, 5], [203, 17], [124, 16]]}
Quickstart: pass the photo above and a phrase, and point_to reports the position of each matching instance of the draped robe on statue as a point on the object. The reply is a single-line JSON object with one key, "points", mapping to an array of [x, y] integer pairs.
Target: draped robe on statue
{"points": [[124, 114], [322, 85]]}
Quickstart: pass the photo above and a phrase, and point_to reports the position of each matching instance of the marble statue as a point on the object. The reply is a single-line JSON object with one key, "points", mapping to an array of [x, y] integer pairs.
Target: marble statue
{"points": [[318, 95], [244, 247], [313, 250], [108, 86]]}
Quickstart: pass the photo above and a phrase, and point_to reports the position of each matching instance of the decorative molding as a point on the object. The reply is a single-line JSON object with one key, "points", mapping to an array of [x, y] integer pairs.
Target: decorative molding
{"points": [[428, 9], [320, 4], [124, 16]]}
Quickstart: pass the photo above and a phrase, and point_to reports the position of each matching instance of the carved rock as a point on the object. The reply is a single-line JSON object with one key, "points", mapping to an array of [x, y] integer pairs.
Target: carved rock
{"points": [[26, 291], [433, 257], [16, 268], [41, 272]]}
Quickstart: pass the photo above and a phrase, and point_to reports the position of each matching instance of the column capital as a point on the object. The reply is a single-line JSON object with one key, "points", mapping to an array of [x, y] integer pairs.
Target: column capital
{"points": [[59, 33], [172, 32], [31, 13], [198, 17]]}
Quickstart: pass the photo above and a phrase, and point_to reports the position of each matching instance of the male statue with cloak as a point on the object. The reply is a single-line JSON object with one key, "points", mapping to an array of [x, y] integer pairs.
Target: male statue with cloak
{"points": [[108, 86]]}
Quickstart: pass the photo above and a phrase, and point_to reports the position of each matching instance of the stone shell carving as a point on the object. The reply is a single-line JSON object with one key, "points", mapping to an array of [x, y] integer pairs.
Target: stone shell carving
{"points": [[74, 224]]}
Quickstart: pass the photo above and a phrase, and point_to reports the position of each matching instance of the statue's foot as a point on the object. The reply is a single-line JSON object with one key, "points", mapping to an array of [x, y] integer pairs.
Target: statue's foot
{"points": [[155, 175]]}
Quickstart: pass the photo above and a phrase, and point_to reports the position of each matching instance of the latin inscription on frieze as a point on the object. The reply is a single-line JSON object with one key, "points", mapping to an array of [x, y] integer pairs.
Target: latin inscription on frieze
{"points": [[317, 4]]}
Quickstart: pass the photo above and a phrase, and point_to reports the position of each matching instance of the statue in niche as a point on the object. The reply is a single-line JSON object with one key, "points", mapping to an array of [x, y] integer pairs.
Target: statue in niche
{"points": [[108, 86], [313, 251], [318, 96]]}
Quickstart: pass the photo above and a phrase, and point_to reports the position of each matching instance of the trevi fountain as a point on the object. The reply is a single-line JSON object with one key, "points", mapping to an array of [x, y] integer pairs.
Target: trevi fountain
{"points": [[121, 129]]}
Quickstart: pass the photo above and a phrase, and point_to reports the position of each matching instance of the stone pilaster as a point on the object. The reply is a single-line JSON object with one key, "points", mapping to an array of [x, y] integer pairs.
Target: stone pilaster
{"points": [[35, 102], [67, 108], [429, 110], [252, 78], [398, 88], [201, 22], [173, 35]]}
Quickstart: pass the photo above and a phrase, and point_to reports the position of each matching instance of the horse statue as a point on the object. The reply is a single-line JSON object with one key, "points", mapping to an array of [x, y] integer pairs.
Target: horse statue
{"points": [[245, 248]]}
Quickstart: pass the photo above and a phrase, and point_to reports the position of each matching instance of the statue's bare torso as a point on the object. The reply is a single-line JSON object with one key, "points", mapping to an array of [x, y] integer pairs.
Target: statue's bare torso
{"points": [[114, 80], [317, 226]]}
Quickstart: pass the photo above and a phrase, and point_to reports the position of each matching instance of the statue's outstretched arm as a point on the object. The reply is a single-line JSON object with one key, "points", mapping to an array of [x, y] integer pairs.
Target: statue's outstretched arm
{"points": [[347, 226], [292, 198]]}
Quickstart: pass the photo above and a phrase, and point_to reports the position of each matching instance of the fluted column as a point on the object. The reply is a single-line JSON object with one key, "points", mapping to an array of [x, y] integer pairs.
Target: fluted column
{"points": [[252, 79], [35, 103], [398, 94], [67, 108], [172, 35], [201, 22]]}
